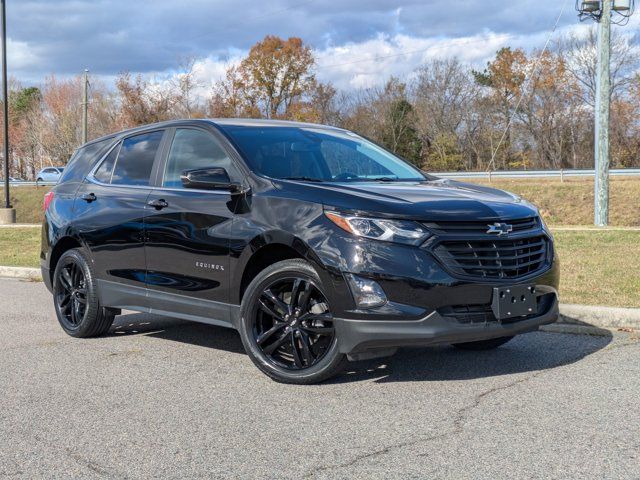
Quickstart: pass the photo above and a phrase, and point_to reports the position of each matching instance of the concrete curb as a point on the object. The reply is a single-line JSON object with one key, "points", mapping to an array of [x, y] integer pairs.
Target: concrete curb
{"points": [[21, 225], [21, 272], [578, 319], [602, 317]]}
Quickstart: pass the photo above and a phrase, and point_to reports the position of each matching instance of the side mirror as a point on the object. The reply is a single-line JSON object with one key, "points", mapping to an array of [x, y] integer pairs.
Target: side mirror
{"points": [[208, 179]]}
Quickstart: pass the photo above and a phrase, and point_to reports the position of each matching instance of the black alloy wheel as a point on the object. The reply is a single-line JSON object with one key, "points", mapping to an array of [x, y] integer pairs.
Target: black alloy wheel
{"points": [[287, 326], [292, 324], [75, 297], [71, 294]]}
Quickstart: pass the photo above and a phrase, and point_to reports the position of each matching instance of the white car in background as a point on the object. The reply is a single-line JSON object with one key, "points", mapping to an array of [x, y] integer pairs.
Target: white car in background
{"points": [[49, 174]]}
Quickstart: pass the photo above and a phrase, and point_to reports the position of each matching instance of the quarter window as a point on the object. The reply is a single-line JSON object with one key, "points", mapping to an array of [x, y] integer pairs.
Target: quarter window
{"points": [[103, 173], [192, 149], [136, 158]]}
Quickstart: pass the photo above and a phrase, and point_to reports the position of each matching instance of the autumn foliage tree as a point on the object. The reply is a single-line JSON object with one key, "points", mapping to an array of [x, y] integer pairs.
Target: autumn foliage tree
{"points": [[445, 116], [274, 80]]}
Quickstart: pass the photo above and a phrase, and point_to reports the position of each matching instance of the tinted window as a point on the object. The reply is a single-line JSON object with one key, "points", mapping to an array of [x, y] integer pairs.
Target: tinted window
{"points": [[193, 149], [135, 160], [318, 154], [103, 173], [84, 159]]}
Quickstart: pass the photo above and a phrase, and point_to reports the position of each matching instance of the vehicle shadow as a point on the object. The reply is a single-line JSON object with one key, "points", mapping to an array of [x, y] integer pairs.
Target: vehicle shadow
{"points": [[526, 353], [166, 328]]}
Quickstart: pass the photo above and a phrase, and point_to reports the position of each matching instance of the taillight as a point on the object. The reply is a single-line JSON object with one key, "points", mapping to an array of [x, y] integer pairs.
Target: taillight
{"points": [[48, 198]]}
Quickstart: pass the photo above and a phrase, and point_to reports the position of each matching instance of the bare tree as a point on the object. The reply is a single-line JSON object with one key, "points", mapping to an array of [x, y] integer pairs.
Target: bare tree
{"points": [[444, 94], [581, 61]]}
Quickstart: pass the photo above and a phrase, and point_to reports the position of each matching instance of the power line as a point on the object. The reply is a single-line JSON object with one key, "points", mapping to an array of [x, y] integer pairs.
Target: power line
{"points": [[526, 85]]}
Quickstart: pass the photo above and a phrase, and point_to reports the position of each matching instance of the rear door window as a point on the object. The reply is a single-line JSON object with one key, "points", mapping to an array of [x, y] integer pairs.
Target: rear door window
{"points": [[136, 158]]}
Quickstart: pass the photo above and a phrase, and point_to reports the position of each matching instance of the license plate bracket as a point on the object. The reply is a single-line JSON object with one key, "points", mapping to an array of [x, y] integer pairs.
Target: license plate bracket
{"points": [[514, 301]]}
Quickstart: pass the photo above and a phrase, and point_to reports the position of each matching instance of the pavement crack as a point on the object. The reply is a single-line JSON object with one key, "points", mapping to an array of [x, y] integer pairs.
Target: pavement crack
{"points": [[459, 420], [91, 465], [376, 453], [462, 413]]}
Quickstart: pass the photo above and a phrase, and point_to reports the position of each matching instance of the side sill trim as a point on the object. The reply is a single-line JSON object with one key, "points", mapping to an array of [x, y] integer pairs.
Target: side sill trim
{"points": [[140, 299]]}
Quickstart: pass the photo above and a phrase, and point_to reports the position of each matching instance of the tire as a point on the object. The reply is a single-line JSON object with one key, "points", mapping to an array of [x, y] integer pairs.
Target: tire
{"points": [[75, 297], [490, 344], [38, 179], [290, 336]]}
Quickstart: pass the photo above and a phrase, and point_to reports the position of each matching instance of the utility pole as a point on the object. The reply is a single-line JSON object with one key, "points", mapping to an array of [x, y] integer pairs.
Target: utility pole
{"points": [[85, 105], [7, 214], [603, 100], [602, 11]]}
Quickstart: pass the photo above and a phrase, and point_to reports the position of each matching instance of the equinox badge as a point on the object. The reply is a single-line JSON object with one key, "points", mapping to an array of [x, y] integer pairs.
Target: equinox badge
{"points": [[500, 228]]}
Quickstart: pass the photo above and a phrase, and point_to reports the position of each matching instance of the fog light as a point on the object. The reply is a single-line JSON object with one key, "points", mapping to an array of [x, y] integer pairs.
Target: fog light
{"points": [[366, 293]]}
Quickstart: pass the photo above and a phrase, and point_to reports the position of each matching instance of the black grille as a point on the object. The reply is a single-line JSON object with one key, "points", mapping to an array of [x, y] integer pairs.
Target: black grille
{"points": [[470, 314], [480, 227], [501, 259]]}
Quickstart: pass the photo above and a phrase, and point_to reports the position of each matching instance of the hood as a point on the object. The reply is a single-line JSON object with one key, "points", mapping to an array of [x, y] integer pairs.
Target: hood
{"points": [[432, 200]]}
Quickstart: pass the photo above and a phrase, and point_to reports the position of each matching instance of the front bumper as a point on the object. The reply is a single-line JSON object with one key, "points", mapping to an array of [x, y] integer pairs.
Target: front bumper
{"points": [[358, 336]]}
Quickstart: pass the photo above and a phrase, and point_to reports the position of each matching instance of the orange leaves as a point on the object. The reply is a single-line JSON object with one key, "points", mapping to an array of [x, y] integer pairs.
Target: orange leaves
{"points": [[273, 80]]}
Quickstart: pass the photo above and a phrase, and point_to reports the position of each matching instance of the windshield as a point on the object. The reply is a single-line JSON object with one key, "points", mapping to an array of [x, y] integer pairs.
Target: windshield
{"points": [[315, 154]]}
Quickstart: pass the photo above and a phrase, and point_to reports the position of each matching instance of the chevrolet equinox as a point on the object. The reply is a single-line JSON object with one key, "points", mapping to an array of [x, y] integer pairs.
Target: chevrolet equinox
{"points": [[316, 244]]}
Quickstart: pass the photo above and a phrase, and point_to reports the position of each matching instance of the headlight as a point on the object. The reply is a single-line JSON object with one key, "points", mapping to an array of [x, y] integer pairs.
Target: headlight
{"points": [[544, 225], [398, 231]]}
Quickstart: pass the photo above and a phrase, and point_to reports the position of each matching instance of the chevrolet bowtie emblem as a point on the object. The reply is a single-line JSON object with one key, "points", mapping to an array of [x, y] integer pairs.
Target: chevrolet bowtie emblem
{"points": [[500, 228]]}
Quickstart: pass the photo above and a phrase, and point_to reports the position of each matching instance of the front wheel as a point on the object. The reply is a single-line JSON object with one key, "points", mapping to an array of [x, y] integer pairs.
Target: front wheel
{"points": [[75, 297], [483, 344], [287, 327]]}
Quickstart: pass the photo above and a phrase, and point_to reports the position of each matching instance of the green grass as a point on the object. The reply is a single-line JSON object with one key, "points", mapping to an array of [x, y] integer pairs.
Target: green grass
{"points": [[597, 267], [19, 247], [28, 203], [571, 202], [561, 203]]}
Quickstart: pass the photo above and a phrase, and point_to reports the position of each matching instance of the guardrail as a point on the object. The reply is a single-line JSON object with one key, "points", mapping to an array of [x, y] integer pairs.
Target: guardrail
{"points": [[616, 172], [21, 183]]}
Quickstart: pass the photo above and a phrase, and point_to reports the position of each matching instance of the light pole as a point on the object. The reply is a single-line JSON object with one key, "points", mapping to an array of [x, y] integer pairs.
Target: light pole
{"points": [[601, 11], [85, 105], [7, 214]]}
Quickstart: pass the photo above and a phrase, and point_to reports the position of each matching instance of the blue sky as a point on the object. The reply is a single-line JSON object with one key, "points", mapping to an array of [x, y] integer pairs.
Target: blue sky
{"points": [[357, 42]]}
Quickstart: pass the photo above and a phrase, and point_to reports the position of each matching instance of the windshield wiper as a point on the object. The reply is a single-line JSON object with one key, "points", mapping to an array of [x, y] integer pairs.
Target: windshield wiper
{"points": [[385, 179], [304, 179]]}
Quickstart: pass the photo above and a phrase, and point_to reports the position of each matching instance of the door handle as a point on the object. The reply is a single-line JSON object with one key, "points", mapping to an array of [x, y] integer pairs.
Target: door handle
{"points": [[158, 204], [89, 197]]}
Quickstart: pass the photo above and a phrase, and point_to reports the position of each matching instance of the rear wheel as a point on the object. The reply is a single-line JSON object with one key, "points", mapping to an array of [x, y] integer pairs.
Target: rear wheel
{"points": [[75, 297], [483, 344], [287, 327]]}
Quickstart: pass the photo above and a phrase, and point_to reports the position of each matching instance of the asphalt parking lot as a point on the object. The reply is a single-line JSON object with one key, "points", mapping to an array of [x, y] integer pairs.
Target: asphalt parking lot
{"points": [[164, 398]]}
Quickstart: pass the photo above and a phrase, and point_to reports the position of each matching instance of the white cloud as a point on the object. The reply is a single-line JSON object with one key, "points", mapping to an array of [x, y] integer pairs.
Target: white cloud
{"points": [[20, 54], [365, 64]]}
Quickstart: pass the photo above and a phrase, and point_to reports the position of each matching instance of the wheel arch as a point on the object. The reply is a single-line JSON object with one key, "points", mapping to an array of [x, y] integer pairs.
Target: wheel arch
{"points": [[63, 244], [267, 249]]}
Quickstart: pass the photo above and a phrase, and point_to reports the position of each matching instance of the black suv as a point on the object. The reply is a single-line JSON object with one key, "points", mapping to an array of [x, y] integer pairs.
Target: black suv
{"points": [[317, 245]]}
